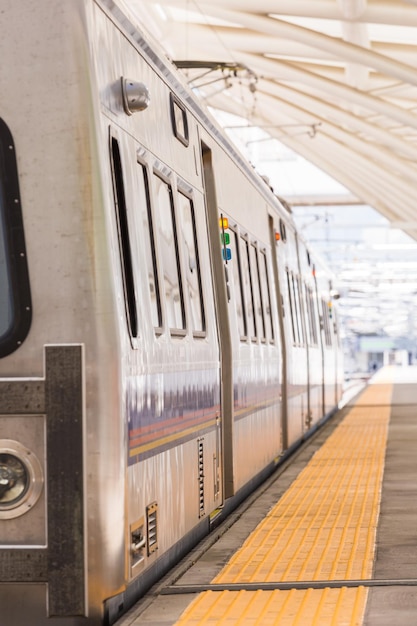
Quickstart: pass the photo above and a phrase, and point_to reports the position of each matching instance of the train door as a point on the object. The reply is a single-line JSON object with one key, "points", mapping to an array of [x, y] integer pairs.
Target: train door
{"points": [[338, 355], [280, 307], [327, 343], [302, 256], [293, 334], [221, 304], [321, 341]]}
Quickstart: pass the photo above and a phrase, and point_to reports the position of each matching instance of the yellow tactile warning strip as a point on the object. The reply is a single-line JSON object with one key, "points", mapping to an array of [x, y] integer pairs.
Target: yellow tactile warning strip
{"points": [[322, 529], [319, 607]]}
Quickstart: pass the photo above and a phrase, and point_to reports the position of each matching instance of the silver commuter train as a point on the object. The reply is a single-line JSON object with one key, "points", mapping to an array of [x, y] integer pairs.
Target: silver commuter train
{"points": [[165, 335]]}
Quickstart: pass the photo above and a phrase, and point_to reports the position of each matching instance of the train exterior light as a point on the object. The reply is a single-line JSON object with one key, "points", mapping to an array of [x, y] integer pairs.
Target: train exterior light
{"points": [[225, 239], [135, 96]]}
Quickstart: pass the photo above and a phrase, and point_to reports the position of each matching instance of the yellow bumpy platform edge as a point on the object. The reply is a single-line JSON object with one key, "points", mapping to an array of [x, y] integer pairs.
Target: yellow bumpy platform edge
{"points": [[322, 529]]}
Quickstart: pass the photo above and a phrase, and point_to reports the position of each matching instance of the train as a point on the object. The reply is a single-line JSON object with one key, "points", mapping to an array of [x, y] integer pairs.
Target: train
{"points": [[166, 335]]}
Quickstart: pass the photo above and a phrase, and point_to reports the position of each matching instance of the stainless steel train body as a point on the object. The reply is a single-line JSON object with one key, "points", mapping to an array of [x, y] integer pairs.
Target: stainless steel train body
{"points": [[155, 362]]}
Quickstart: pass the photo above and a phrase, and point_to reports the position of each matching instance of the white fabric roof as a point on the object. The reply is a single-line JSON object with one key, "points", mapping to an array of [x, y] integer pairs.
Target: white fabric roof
{"points": [[334, 80]]}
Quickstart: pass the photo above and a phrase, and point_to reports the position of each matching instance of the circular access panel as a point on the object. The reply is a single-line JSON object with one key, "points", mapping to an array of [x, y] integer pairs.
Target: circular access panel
{"points": [[21, 479]]}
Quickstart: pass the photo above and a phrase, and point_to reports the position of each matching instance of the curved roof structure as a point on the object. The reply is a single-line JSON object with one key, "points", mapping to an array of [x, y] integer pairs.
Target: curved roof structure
{"points": [[334, 80]]}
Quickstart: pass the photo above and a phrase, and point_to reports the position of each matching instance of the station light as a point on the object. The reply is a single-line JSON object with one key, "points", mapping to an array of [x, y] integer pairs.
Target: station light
{"points": [[225, 238]]}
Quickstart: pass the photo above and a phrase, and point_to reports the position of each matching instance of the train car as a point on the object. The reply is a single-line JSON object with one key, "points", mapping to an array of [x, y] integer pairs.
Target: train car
{"points": [[156, 339]]}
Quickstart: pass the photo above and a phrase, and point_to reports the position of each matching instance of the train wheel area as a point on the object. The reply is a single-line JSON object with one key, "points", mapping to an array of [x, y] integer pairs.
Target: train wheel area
{"points": [[328, 540]]}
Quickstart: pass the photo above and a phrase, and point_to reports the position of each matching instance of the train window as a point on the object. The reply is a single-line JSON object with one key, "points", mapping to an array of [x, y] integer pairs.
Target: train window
{"points": [[326, 323], [257, 294], [314, 332], [168, 241], [150, 251], [329, 325], [192, 264], [124, 241], [295, 308], [308, 314], [264, 279], [283, 231], [296, 284], [238, 285], [311, 315], [248, 290], [15, 300], [291, 301], [179, 120], [6, 303]]}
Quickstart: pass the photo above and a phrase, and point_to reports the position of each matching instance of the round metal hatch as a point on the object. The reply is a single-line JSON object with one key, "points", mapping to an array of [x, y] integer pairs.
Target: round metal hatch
{"points": [[21, 479]]}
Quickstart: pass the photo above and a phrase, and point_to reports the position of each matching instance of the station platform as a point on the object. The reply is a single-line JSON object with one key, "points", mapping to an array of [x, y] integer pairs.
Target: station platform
{"points": [[329, 540]]}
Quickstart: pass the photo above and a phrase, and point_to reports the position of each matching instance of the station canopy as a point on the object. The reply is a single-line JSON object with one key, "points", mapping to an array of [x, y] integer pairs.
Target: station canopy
{"points": [[334, 80]]}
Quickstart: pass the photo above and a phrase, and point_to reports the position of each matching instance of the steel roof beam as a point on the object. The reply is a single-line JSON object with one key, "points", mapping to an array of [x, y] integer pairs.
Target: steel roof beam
{"points": [[201, 39], [343, 118], [326, 162], [389, 13], [369, 160], [340, 49], [357, 174], [367, 149], [283, 71]]}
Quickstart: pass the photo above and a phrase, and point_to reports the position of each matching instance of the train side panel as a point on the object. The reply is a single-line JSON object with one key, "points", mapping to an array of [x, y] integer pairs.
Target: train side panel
{"points": [[147, 390], [171, 405]]}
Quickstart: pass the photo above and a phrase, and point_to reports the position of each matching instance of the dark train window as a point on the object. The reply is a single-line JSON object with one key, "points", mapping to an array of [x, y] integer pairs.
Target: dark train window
{"points": [[248, 290], [124, 241], [150, 251], [192, 264], [295, 308], [179, 120], [296, 283], [168, 242], [15, 299], [283, 230], [238, 285], [257, 294], [264, 279], [291, 301]]}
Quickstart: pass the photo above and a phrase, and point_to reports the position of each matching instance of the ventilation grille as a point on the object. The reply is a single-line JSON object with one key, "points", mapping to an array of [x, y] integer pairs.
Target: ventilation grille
{"points": [[152, 527], [200, 477]]}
